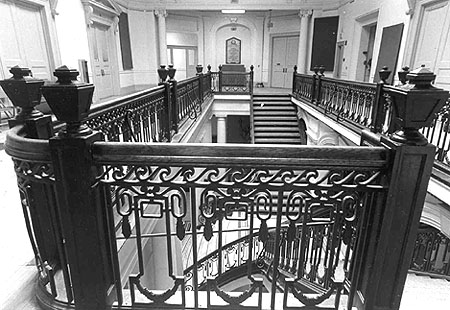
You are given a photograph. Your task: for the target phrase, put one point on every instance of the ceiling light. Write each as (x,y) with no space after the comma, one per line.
(233,11)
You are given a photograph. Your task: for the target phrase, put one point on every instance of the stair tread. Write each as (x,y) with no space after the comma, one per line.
(277,134)
(274,119)
(263,112)
(274,108)
(276,128)
(286,123)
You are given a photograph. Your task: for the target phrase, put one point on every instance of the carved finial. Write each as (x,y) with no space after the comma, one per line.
(24,92)
(66,75)
(209,68)
(421,77)
(70,101)
(402,74)
(295,68)
(252,67)
(172,71)
(322,70)
(199,68)
(384,74)
(316,70)
(163,73)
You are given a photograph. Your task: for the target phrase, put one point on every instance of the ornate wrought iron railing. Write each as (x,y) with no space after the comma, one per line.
(360,105)
(438,133)
(334,200)
(140,117)
(431,254)
(226,82)
(199,181)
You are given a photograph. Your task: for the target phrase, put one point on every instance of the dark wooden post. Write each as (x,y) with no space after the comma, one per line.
(165,124)
(174,98)
(250,86)
(293,79)
(81,206)
(199,69)
(24,93)
(378,109)
(386,246)
(220,78)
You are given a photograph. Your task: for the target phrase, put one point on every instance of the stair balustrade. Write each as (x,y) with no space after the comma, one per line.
(360,105)
(355,208)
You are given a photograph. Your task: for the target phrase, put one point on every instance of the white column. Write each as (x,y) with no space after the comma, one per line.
(303,40)
(162,14)
(221,129)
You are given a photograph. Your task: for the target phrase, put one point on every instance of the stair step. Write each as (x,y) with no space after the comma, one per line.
(282,123)
(275,127)
(274,98)
(274,108)
(277,141)
(277,134)
(259,112)
(268,118)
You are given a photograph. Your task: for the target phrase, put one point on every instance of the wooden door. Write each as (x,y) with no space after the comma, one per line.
(284,58)
(103,77)
(22,40)
(433,43)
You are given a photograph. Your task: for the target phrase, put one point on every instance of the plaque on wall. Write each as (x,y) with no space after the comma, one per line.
(233,49)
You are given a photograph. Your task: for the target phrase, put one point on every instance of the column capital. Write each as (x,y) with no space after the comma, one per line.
(160,13)
(305,13)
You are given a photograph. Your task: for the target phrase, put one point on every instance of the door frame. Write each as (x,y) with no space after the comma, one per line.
(417,12)
(107,16)
(271,38)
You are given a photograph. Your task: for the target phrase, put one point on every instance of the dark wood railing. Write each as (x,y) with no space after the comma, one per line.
(104,215)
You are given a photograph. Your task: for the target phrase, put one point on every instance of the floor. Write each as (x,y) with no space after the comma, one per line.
(19,272)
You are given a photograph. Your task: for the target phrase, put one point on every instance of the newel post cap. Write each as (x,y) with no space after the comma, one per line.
(199,68)
(163,72)
(23,91)
(69,99)
(421,77)
(415,104)
(171,72)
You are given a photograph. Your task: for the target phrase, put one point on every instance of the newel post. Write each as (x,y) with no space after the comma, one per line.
(166,122)
(378,109)
(25,93)
(220,78)
(81,205)
(174,98)
(386,246)
(250,86)
(199,69)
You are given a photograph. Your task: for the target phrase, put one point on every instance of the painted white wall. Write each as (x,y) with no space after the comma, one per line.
(353,17)
(72,35)
(143,47)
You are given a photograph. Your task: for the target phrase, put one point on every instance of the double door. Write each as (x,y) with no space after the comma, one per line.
(284,58)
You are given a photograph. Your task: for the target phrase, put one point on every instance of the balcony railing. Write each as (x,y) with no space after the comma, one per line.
(108,214)
(359,105)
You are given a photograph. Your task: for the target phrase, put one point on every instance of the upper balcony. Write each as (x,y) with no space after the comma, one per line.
(122,214)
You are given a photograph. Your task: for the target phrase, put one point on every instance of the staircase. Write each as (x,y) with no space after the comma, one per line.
(275,120)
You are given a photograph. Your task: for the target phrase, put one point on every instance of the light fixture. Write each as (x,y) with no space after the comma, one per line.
(233,11)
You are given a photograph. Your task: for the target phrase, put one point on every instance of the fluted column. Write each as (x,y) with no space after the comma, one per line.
(162,14)
(221,129)
(303,40)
